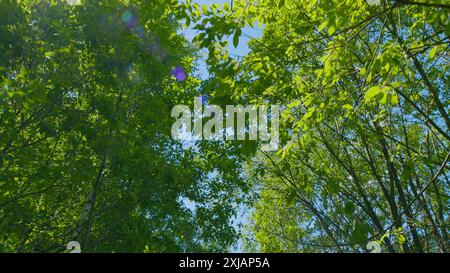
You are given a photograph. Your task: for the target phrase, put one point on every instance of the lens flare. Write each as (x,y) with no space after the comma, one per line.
(150,43)
(129,19)
(179,73)
(126,16)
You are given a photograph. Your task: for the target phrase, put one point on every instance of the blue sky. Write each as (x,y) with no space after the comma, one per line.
(241,50)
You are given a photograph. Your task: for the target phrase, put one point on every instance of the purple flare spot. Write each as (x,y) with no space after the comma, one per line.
(129,19)
(126,16)
(178,73)
(132,23)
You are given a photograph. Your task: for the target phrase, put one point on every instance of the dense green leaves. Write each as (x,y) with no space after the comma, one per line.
(86,154)
(365,131)
(85,146)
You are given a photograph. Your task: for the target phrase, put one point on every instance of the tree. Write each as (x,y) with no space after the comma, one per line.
(366,143)
(86,152)
(86,92)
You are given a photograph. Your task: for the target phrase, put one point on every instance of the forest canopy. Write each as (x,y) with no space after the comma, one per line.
(86,151)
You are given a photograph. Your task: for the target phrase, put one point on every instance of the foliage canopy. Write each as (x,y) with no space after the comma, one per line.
(85,146)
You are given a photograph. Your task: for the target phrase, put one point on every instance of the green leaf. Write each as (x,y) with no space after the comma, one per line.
(323,25)
(433,52)
(294,104)
(236,36)
(205,8)
(360,233)
(49,54)
(447,29)
(331,29)
(377,92)
(373,92)
(333,185)
(349,208)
